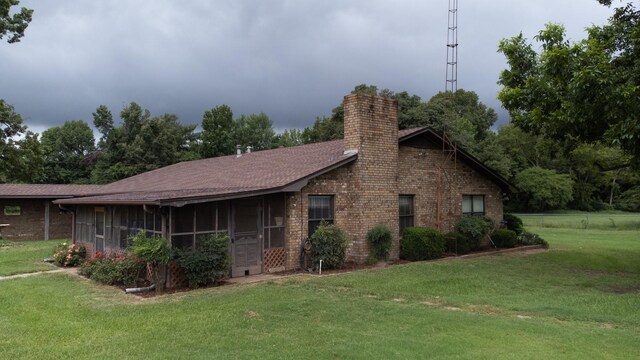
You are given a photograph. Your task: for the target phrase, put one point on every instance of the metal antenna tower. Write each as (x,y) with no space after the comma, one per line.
(448,164)
(451,84)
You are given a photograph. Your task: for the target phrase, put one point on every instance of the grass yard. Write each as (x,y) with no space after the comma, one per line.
(578,300)
(25,256)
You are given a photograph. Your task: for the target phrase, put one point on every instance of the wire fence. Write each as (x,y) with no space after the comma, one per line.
(583,221)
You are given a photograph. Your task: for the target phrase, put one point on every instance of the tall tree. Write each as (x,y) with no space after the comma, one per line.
(217,132)
(254,130)
(289,137)
(588,90)
(10,127)
(64,148)
(103,121)
(14,25)
(141,143)
(28,165)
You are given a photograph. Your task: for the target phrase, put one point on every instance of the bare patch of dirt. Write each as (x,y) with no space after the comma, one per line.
(624,289)
(252,314)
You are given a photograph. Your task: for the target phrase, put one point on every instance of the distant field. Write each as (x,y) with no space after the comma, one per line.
(583,220)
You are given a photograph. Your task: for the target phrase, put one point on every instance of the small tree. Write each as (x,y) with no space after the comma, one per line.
(153,250)
(545,189)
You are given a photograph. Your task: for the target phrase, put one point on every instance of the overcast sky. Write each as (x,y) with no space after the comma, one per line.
(292,59)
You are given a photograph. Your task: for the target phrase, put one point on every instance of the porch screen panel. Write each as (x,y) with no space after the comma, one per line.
(274,222)
(223,215)
(183,219)
(108,239)
(182,241)
(206,217)
(135,219)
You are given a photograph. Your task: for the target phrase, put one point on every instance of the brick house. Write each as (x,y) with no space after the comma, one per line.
(270,201)
(27,211)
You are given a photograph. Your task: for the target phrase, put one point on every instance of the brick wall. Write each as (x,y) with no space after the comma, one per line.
(30,224)
(418,174)
(366,191)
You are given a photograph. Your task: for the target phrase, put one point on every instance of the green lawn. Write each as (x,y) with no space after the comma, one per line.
(25,256)
(578,300)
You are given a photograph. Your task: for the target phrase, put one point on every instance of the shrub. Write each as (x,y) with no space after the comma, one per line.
(113,270)
(504,238)
(513,223)
(474,228)
(69,255)
(153,250)
(457,243)
(527,238)
(380,238)
(209,261)
(419,243)
(329,244)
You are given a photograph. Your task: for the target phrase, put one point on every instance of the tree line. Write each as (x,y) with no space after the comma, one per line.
(573,140)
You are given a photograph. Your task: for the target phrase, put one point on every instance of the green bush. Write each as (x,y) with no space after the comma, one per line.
(69,255)
(329,244)
(527,238)
(474,228)
(154,251)
(419,243)
(457,243)
(380,238)
(513,223)
(209,261)
(504,238)
(113,270)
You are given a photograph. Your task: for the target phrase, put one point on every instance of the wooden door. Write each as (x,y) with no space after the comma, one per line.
(246,237)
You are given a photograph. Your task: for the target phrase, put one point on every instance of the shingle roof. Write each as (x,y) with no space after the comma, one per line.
(216,177)
(283,169)
(53,191)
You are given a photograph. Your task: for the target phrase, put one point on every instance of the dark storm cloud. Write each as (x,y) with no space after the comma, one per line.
(292,59)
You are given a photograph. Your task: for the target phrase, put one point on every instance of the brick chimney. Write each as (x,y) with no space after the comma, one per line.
(371,129)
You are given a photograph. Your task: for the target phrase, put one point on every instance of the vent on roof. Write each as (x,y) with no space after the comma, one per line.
(238,150)
(249,148)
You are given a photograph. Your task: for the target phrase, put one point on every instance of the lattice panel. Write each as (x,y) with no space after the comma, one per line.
(175,276)
(275,259)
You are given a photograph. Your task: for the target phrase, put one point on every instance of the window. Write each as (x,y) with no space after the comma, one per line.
(320,209)
(473,205)
(406,212)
